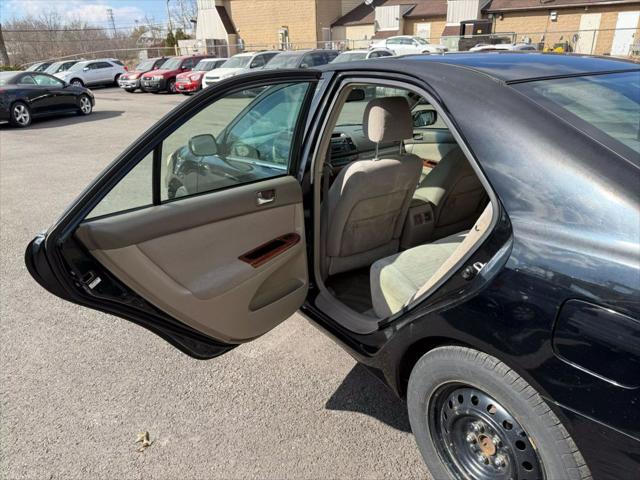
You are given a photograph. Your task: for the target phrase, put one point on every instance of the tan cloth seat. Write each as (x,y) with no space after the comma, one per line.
(368,201)
(454,190)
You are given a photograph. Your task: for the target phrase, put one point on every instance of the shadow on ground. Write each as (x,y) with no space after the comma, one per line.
(361,392)
(65,120)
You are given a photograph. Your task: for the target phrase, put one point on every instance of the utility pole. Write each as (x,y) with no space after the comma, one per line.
(111,20)
(4,56)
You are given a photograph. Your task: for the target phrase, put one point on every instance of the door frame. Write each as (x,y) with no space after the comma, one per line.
(320,303)
(53,258)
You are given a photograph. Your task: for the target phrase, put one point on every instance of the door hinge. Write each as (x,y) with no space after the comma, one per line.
(470,272)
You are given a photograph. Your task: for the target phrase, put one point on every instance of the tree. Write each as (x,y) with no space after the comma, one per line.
(170,41)
(180,35)
(4,56)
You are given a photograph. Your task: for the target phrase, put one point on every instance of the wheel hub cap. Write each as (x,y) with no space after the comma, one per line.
(478,438)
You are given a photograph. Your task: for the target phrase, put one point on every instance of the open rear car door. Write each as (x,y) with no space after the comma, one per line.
(196,232)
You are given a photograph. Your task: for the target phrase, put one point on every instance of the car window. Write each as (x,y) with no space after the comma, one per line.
(189,63)
(26,80)
(135,190)
(104,65)
(244,137)
(408,41)
(394,41)
(258,61)
(609,103)
(46,80)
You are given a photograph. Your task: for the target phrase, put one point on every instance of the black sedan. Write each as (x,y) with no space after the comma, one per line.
(466,226)
(27,95)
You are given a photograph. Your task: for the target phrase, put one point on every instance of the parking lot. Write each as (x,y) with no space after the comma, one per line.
(78,385)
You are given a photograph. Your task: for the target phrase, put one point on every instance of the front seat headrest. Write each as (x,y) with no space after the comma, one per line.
(388,119)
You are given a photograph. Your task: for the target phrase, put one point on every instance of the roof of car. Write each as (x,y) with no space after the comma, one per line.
(507,66)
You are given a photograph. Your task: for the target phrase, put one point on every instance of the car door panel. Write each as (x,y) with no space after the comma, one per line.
(430,144)
(184,257)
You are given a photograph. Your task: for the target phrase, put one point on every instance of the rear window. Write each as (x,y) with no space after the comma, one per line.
(609,103)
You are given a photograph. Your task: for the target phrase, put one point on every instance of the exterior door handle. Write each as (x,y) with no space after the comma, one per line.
(265,196)
(418,136)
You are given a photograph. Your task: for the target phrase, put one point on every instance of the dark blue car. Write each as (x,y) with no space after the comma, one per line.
(466,226)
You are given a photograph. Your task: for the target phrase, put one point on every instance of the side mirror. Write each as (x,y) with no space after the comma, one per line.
(356,95)
(304,65)
(85,69)
(424,118)
(204,145)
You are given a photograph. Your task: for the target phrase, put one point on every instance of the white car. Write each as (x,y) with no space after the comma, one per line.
(102,71)
(407,44)
(486,47)
(240,63)
(354,55)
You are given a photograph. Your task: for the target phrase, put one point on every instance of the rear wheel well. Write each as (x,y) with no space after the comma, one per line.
(415,353)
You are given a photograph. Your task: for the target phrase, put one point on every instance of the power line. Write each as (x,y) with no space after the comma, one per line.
(90,29)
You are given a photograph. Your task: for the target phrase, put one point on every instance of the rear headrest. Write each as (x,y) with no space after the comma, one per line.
(388,120)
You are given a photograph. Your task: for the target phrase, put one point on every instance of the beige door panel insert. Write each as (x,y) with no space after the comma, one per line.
(196,274)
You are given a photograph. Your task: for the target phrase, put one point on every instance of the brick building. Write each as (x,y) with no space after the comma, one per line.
(586,26)
(266,24)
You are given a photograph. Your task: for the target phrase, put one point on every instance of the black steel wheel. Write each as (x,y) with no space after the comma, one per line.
(474,418)
(478,438)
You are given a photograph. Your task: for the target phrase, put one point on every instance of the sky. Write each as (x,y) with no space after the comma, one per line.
(125,12)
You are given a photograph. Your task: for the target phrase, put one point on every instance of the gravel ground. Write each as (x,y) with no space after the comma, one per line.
(76,386)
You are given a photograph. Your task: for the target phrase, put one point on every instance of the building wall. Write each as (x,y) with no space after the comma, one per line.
(327,12)
(258,21)
(437,26)
(536,23)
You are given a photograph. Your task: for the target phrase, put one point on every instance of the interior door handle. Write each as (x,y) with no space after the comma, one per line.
(265,196)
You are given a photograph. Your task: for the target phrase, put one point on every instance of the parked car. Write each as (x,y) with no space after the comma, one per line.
(408,44)
(190,82)
(487,47)
(354,55)
(39,67)
(492,282)
(130,81)
(102,71)
(240,63)
(28,95)
(58,67)
(164,79)
(301,59)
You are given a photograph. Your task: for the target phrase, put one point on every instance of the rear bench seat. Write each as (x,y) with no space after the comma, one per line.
(396,279)
(405,276)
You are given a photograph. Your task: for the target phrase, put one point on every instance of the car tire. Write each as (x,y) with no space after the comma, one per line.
(84,105)
(77,82)
(115,80)
(473,416)
(171,86)
(20,115)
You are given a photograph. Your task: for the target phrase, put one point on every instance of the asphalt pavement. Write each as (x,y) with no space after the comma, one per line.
(76,385)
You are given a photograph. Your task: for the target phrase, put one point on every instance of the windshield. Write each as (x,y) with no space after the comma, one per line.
(283,60)
(171,64)
(53,68)
(610,103)
(146,65)
(6,77)
(350,57)
(237,62)
(204,65)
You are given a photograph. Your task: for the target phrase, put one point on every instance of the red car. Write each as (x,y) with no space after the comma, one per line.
(164,79)
(190,82)
(130,81)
